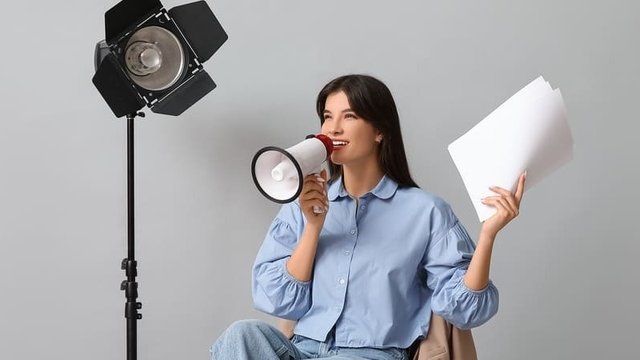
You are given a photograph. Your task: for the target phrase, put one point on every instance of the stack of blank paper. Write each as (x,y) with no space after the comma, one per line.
(528,132)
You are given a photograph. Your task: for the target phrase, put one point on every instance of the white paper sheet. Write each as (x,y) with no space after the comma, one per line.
(528,132)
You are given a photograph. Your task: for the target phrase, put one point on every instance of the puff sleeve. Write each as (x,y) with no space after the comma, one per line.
(274,290)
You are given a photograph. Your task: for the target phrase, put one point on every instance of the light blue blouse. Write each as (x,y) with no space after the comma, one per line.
(380,269)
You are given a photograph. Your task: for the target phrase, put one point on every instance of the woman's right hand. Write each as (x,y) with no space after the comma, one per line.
(314,195)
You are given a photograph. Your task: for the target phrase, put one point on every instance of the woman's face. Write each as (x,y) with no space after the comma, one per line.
(355,141)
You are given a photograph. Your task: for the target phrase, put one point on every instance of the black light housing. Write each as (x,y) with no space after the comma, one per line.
(153,57)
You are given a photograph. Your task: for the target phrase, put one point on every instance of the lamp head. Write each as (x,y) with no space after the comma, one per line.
(153,57)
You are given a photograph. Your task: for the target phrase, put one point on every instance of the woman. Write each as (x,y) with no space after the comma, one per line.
(362,277)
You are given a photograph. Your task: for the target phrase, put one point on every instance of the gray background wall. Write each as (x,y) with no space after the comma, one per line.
(566,268)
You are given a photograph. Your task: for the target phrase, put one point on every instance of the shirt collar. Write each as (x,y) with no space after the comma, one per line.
(384,190)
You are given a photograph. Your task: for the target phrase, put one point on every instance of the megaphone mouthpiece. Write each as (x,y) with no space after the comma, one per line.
(328,143)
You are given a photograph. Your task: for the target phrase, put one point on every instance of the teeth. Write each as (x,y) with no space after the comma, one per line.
(339,143)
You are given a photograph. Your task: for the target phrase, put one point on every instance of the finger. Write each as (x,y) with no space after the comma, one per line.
(507,195)
(314,178)
(520,188)
(492,201)
(512,204)
(312,183)
(506,208)
(314,189)
(311,188)
(314,195)
(324,174)
(316,204)
(498,202)
(511,201)
(499,190)
(314,192)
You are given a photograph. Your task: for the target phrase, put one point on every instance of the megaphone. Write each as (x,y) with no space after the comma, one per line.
(279,173)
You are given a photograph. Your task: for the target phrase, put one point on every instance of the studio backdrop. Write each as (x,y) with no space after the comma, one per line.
(566,268)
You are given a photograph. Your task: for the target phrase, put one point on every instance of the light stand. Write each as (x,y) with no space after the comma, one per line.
(129,264)
(152,57)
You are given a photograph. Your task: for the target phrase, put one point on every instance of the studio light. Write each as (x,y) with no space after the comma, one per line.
(153,57)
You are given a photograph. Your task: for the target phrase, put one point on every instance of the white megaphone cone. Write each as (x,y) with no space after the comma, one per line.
(279,173)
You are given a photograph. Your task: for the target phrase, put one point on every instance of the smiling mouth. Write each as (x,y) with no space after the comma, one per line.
(339,143)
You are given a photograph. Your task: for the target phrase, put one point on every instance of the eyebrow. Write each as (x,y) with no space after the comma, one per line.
(343,111)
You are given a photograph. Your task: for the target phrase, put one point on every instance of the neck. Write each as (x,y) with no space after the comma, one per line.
(359,180)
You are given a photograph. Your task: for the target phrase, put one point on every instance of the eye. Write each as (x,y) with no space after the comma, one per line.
(326,117)
(350,116)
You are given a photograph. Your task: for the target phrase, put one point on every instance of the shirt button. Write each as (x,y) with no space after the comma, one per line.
(362,207)
(353,231)
(347,252)
(342,281)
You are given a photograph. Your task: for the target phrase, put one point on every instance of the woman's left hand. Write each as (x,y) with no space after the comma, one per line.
(507,205)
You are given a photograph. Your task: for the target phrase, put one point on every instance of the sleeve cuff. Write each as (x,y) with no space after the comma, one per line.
(466,289)
(288,275)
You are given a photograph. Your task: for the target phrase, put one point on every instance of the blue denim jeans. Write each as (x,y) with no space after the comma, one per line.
(257,340)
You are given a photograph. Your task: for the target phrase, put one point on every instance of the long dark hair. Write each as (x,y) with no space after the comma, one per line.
(371,100)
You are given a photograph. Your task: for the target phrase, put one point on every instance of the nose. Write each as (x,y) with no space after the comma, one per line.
(332,128)
(336,128)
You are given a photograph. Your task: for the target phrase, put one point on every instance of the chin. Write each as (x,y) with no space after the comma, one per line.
(337,159)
